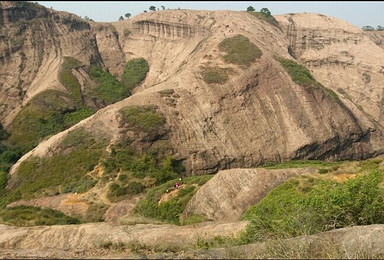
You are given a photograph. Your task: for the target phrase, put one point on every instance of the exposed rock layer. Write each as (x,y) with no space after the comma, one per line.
(230,193)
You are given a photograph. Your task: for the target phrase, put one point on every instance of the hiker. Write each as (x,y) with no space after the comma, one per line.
(176,185)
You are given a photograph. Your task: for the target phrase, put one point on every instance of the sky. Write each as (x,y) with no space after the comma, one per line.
(358,13)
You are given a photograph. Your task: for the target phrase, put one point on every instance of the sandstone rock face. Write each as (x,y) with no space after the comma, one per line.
(340,56)
(259,114)
(230,193)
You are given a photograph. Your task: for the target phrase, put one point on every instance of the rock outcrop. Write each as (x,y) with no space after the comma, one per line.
(230,193)
(67,240)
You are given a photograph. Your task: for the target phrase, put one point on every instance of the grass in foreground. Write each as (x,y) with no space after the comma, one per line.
(34,216)
(307,205)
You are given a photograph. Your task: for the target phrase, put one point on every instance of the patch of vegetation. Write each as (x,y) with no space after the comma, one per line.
(370,164)
(303,77)
(217,241)
(366,77)
(239,50)
(117,192)
(84,184)
(41,117)
(135,71)
(27,5)
(265,17)
(72,118)
(168,91)
(150,164)
(48,175)
(127,32)
(170,211)
(32,216)
(69,81)
(303,206)
(8,156)
(109,89)
(216,74)
(146,118)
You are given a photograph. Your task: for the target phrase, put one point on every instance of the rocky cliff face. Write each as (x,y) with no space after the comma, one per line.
(33,42)
(342,57)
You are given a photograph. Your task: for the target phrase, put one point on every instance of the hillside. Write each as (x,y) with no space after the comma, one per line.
(277,115)
(100,119)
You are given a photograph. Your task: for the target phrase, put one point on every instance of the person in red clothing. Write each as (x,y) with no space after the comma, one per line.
(176,185)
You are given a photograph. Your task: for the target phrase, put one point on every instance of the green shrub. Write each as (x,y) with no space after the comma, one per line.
(134,188)
(216,75)
(69,81)
(108,88)
(81,186)
(135,71)
(171,210)
(265,17)
(300,207)
(72,118)
(122,177)
(143,117)
(70,63)
(168,91)
(366,77)
(299,73)
(323,171)
(32,216)
(239,50)
(150,164)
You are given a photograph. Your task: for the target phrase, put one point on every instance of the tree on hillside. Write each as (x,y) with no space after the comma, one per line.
(265,11)
(145,11)
(128,15)
(152,8)
(163,7)
(250,9)
(380,28)
(121,18)
(368,28)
